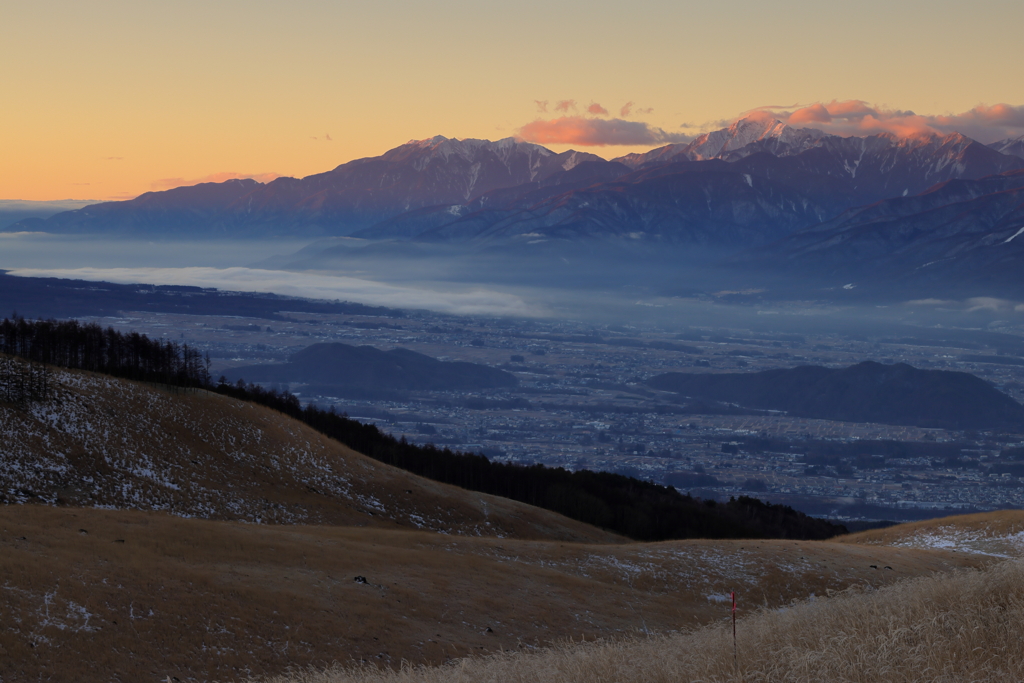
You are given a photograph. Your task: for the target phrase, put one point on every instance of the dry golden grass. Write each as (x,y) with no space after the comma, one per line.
(213,600)
(995,533)
(107,442)
(954,628)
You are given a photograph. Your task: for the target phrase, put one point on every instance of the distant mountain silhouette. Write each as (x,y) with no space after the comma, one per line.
(867,392)
(364,367)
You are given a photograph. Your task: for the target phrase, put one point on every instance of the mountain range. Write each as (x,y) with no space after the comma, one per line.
(354,195)
(787,204)
(750,183)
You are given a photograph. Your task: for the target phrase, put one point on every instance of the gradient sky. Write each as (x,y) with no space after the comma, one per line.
(104,100)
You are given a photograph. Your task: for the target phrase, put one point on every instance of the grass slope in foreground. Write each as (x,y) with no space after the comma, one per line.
(964,626)
(90,596)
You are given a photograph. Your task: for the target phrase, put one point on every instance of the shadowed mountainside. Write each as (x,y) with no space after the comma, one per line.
(960,238)
(866,392)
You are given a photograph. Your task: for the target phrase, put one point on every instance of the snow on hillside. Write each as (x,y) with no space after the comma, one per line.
(979,540)
(102,442)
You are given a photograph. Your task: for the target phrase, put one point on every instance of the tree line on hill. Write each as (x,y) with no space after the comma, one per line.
(87,346)
(22,383)
(637,509)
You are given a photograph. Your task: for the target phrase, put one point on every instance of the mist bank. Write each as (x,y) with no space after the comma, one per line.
(608,283)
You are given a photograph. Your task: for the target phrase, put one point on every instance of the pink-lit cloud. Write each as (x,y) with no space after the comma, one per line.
(169,183)
(542,106)
(626,109)
(597,110)
(565,105)
(645,110)
(593,132)
(855,117)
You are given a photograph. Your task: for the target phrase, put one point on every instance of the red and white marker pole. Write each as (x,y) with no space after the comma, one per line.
(735,657)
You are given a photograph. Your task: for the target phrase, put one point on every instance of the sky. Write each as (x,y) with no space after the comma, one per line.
(109,99)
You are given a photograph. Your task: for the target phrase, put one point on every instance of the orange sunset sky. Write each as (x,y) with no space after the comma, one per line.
(106,100)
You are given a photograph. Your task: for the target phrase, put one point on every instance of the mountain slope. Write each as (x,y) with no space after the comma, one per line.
(1013,146)
(758,128)
(866,392)
(960,238)
(354,195)
(204,455)
(675,204)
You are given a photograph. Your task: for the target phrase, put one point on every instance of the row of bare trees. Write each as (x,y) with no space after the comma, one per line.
(23,382)
(88,346)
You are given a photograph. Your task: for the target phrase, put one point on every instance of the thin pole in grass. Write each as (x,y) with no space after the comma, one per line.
(735,656)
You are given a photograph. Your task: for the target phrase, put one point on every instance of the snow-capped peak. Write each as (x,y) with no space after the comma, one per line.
(1011,146)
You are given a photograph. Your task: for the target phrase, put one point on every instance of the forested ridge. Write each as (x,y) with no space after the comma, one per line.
(638,509)
(71,344)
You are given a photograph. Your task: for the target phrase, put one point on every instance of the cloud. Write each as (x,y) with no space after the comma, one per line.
(645,110)
(170,183)
(542,106)
(856,117)
(597,110)
(565,105)
(626,108)
(113,158)
(580,130)
(474,302)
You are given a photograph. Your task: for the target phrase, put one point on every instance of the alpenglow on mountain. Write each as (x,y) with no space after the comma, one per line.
(747,184)
(352,196)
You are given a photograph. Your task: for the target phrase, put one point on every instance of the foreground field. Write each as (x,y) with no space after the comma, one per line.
(103,595)
(964,626)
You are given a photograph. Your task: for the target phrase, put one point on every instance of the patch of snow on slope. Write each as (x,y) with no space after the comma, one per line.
(980,541)
(1013,236)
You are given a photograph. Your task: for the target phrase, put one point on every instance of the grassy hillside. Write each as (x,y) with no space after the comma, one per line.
(100,595)
(965,626)
(101,441)
(999,534)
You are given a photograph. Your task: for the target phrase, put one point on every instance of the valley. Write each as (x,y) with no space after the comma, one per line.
(581,402)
